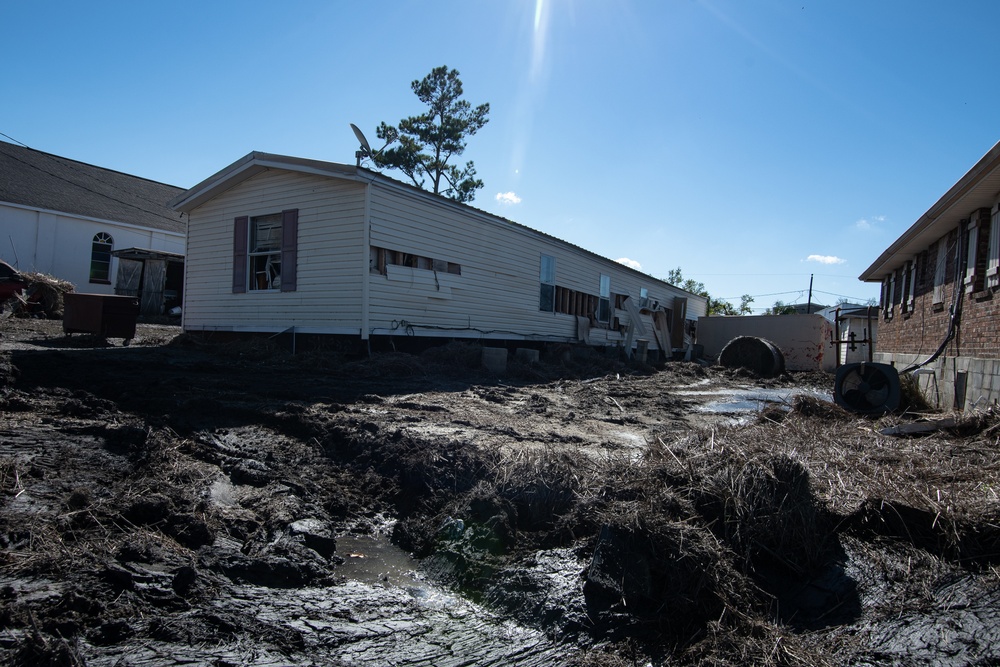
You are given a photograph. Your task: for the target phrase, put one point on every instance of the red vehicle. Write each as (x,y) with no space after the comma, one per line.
(11,281)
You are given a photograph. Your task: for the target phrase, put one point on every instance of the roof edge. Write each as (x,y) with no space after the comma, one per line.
(988,163)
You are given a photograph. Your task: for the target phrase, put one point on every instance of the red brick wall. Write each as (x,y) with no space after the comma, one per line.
(922,331)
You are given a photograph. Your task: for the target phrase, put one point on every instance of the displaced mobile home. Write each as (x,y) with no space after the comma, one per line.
(940,303)
(278,243)
(67,218)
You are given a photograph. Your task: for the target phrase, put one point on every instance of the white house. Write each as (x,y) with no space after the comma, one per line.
(276,242)
(65,218)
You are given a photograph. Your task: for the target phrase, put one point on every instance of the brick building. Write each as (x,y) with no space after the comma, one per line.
(940,304)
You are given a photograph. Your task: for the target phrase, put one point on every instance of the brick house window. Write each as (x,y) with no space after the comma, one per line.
(993,254)
(888,295)
(939,271)
(978,231)
(909,279)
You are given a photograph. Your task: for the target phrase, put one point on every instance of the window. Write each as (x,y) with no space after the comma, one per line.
(972,276)
(887,297)
(547,280)
(939,271)
(265,252)
(993,261)
(379,258)
(604,301)
(100,258)
(909,297)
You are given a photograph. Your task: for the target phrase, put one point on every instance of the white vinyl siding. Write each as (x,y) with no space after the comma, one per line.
(329,263)
(480,279)
(497,294)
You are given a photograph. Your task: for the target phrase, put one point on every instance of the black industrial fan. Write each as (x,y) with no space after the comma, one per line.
(867,388)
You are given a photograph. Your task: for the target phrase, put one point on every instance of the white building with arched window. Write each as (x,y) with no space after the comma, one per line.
(67,218)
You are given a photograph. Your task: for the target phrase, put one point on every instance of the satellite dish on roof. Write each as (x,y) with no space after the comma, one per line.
(361,137)
(366,149)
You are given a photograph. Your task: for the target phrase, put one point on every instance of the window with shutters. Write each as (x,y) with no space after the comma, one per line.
(910,297)
(973,278)
(941,258)
(888,292)
(993,254)
(265,252)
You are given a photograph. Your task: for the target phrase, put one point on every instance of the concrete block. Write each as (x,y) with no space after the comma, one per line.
(526,355)
(495,359)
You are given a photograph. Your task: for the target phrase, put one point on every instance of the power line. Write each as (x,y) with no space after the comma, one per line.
(90,190)
(13,139)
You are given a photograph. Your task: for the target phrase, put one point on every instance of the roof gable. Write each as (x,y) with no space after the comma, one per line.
(45,181)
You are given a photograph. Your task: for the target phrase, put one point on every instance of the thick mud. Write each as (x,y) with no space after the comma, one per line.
(183,501)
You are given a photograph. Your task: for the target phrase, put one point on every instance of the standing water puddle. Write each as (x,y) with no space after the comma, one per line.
(745,402)
(374,559)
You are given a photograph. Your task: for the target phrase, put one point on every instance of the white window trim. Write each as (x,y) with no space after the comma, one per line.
(993,261)
(270,274)
(939,270)
(911,291)
(970,253)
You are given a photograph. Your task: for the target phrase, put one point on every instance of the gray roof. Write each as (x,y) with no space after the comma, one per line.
(41,180)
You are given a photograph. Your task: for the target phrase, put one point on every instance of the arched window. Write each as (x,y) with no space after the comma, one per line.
(100,258)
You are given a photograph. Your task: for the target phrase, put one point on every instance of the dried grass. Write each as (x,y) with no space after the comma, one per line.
(45,290)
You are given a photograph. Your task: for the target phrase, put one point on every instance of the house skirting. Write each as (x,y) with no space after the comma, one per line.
(952,383)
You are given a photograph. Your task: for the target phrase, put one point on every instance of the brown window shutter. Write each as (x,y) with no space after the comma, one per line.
(289,248)
(240,230)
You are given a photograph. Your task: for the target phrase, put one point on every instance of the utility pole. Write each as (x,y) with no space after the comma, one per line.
(809,302)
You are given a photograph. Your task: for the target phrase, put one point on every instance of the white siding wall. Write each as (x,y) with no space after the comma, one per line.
(329,267)
(496,296)
(497,293)
(59,244)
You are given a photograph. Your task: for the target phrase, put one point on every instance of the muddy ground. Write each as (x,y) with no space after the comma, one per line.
(199,502)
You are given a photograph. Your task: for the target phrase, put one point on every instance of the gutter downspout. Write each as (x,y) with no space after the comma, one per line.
(955,318)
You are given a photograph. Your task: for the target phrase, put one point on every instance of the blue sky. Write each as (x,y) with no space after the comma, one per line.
(752,143)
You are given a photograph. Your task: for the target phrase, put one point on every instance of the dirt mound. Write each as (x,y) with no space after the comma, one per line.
(192,499)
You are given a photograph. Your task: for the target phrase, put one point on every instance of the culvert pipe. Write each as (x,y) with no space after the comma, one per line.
(758,355)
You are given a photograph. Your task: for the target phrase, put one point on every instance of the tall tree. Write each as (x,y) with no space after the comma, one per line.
(715,306)
(781,308)
(429,141)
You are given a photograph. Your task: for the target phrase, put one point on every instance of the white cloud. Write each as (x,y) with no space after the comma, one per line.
(865,224)
(825,259)
(630,262)
(508,198)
